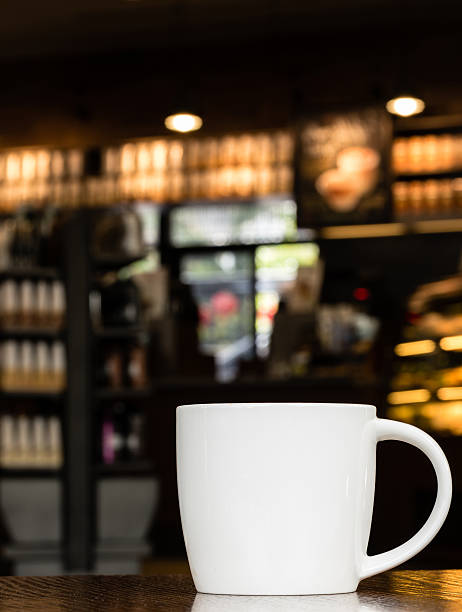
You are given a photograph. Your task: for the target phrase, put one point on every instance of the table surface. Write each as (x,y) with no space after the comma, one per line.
(392,591)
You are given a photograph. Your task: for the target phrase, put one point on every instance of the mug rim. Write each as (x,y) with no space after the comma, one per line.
(277,404)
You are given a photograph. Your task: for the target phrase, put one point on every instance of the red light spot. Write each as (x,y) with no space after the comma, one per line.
(412,317)
(361,294)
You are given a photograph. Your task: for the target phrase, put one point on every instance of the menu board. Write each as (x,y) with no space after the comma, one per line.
(343,166)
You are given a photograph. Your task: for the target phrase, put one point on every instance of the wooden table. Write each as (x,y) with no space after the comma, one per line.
(392,591)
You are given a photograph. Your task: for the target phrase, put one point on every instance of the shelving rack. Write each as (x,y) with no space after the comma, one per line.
(406,129)
(55,400)
(31,473)
(80,404)
(80,472)
(99,335)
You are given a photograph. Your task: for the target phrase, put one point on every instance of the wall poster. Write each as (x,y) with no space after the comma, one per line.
(343,168)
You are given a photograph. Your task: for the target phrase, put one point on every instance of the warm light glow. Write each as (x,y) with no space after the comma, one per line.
(402,413)
(43,164)
(405,106)
(28,166)
(449,393)
(439,416)
(451,343)
(444,417)
(13,167)
(419,347)
(183,122)
(128,159)
(413,396)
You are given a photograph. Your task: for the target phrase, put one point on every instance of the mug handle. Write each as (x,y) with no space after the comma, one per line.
(394,430)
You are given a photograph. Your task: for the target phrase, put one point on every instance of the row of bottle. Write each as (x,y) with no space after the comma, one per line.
(149,156)
(58,192)
(121,434)
(427,153)
(124,367)
(30,442)
(164,155)
(32,366)
(40,165)
(26,304)
(435,198)
(231,181)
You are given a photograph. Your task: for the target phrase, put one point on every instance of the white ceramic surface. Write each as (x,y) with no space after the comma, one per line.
(276,499)
(348,602)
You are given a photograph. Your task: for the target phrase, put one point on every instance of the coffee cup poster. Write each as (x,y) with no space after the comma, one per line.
(343,169)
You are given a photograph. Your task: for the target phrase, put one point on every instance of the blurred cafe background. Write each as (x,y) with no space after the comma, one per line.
(219,201)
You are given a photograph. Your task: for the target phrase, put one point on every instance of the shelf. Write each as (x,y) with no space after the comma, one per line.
(437,226)
(24,472)
(23,394)
(114,470)
(304,235)
(219,278)
(31,333)
(115,262)
(383,230)
(120,333)
(126,393)
(425,176)
(36,272)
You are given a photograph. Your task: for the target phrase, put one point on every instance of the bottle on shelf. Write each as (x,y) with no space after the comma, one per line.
(43,378)
(28,302)
(33,366)
(55,456)
(136,367)
(39,441)
(135,436)
(43,317)
(114,434)
(58,304)
(58,366)
(7,440)
(28,365)
(36,305)
(30,442)
(9,303)
(25,453)
(108,452)
(113,374)
(10,372)
(121,435)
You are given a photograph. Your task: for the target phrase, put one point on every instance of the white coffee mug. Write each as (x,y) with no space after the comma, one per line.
(276,499)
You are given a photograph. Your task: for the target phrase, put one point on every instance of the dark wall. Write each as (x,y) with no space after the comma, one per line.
(238,85)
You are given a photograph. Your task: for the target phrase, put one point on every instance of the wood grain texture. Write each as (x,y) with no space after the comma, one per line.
(426,591)
(96,593)
(413,590)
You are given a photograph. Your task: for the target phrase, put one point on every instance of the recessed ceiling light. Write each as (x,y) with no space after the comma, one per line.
(405,106)
(183,122)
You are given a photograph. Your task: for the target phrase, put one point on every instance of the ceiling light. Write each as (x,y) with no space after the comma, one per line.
(419,347)
(405,106)
(183,122)
(451,343)
(413,396)
(449,393)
